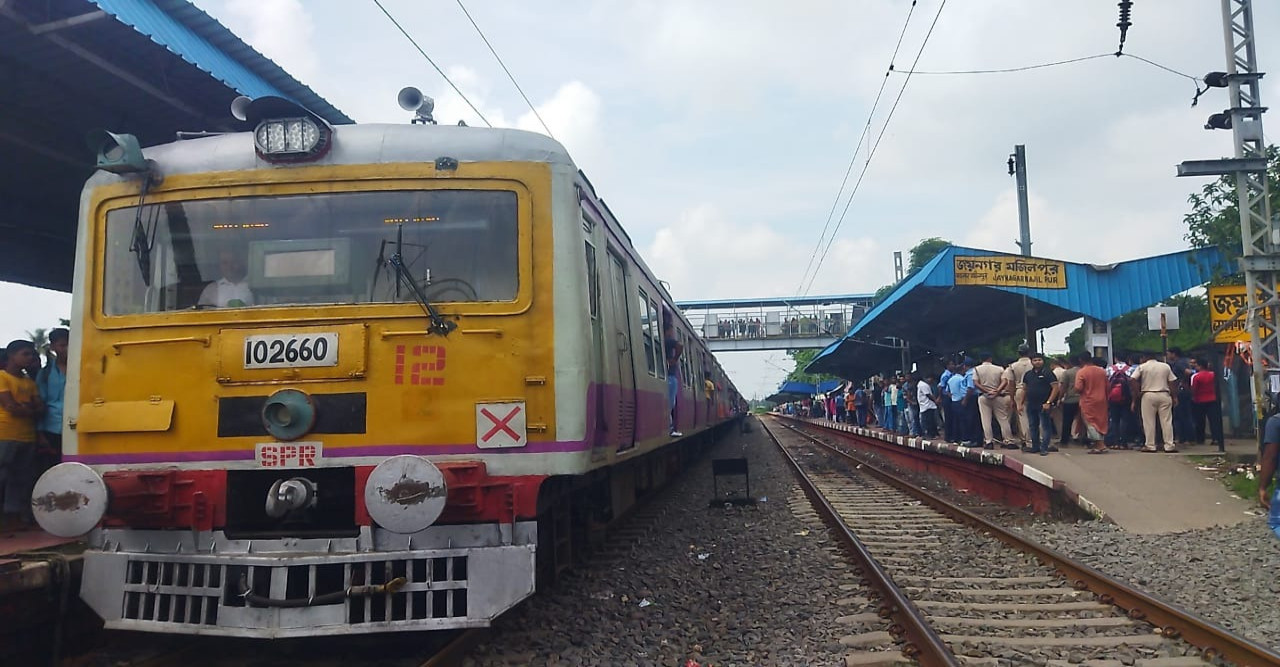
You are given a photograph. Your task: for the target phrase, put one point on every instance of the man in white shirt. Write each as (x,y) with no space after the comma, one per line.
(231,290)
(928,407)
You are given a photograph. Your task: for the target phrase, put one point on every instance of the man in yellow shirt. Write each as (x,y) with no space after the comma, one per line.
(708,388)
(19,406)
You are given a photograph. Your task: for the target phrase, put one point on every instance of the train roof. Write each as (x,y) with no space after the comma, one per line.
(361,144)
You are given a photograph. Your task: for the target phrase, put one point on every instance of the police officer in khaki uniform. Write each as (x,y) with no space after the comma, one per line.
(993,398)
(1155,391)
(1019,370)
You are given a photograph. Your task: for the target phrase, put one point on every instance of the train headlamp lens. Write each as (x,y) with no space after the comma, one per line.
(289,138)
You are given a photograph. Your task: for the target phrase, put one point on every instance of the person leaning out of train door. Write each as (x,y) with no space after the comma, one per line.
(673,350)
(708,390)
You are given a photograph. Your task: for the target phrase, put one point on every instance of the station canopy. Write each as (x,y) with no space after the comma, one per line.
(965,297)
(145,67)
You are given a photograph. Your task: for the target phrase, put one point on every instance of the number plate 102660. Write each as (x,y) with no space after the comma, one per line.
(291,350)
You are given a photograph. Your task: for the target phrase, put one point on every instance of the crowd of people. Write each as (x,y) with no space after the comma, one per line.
(31,395)
(753,327)
(1143,400)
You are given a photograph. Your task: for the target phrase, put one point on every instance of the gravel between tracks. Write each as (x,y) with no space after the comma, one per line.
(764,596)
(1229,575)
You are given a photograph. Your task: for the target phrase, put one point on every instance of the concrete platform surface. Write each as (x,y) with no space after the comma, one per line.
(1141,492)
(32,539)
(1148,493)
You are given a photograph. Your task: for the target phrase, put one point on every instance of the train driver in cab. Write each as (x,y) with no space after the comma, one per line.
(231,289)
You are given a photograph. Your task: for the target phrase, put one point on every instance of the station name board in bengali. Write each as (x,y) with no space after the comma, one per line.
(1224,302)
(1010,271)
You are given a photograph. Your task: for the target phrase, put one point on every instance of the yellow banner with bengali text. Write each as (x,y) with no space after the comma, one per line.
(1224,302)
(1010,271)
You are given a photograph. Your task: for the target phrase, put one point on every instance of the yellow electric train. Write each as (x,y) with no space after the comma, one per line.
(356,379)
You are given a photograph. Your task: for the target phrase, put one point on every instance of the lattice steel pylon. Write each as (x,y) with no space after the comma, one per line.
(1259,259)
(1258,231)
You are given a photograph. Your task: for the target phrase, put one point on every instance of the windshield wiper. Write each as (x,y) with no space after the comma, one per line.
(439,325)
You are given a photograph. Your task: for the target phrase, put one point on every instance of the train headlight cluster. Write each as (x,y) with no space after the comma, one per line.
(290,139)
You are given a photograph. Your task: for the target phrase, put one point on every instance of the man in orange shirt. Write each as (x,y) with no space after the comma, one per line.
(20,405)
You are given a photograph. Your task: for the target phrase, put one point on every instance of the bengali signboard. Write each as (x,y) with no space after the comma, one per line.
(1010,271)
(1224,302)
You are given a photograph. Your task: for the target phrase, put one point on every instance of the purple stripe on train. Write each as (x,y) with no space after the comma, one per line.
(603,401)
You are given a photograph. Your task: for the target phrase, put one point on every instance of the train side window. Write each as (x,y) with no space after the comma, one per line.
(646,331)
(593,282)
(659,358)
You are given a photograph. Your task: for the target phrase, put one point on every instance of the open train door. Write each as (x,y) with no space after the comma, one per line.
(626,366)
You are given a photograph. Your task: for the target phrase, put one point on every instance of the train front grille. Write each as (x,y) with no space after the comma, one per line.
(162,590)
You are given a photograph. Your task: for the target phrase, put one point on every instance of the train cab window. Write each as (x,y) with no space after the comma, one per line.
(648,320)
(325,248)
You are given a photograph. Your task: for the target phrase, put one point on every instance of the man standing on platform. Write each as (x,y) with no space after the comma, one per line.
(1040,391)
(1155,388)
(1070,402)
(957,425)
(1019,370)
(1183,428)
(928,408)
(1270,454)
(1091,384)
(968,390)
(993,399)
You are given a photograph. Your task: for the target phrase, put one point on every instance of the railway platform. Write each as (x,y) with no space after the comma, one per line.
(1145,493)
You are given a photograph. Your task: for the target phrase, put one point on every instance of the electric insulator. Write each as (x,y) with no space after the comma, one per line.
(1216,79)
(1219,121)
(1126,6)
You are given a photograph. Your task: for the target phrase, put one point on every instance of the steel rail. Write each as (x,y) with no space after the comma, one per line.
(1174,622)
(922,643)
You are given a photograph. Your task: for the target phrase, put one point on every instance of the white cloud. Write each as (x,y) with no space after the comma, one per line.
(707,255)
(573,116)
(282,30)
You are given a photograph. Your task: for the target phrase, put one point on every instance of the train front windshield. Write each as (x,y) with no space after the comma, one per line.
(315,249)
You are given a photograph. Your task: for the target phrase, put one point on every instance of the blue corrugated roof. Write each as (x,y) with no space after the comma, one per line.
(197,38)
(798,388)
(829,385)
(1103,292)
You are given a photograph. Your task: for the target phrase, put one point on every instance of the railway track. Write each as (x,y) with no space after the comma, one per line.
(950,588)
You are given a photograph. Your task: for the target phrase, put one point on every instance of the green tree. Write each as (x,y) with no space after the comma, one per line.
(1129,332)
(803,358)
(1214,219)
(919,254)
(924,251)
(40,337)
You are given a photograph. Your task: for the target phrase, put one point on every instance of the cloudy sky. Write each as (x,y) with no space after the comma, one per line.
(719,132)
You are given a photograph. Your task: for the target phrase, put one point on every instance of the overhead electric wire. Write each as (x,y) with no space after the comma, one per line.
(1007,70)
(1167,69)
(871,154)
(854,158)
(433,63)
(1069,61)
(504,68)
